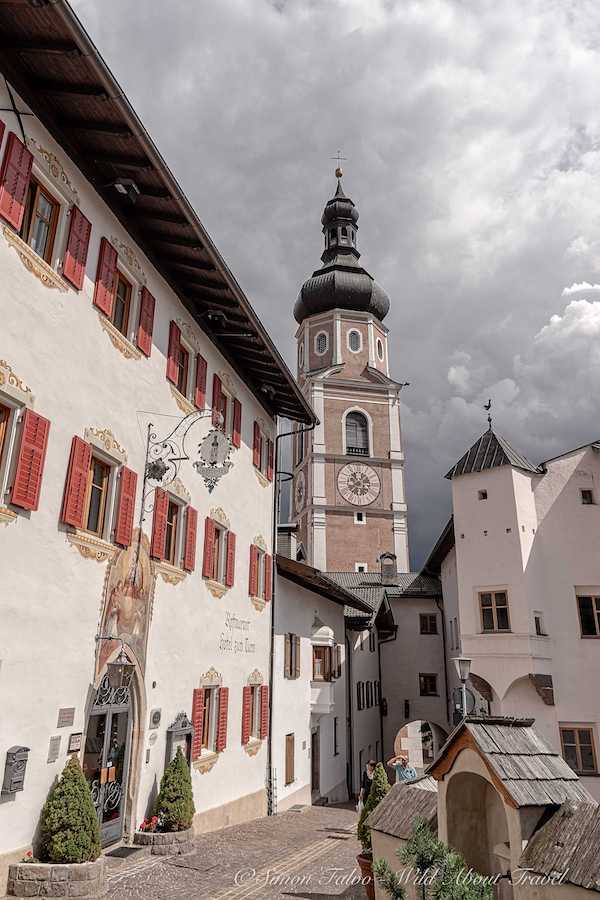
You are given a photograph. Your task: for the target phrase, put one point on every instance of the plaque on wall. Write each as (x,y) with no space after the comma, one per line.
(75,740)
(53,749)
(66,717)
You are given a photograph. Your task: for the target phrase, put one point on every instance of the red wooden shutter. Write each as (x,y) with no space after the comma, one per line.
(268,595)
(197,717)
(191,527)
(126,507)
(104,292)
(253,577)
(221,741)
(246,712)
(230,564)
(159,524)
(236,438)
(256,446)
(270,455)
(30,461)
(2,127)
(146,322)
(200,391)
(264,710)
(217,400)
(73,510)
(14,180)
(174,343)
(77,248)
(209,541)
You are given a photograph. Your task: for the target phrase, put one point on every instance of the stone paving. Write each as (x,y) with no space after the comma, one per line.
(309,855)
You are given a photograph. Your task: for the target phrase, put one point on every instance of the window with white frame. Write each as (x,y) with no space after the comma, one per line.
(301,354)
(210,715)
(354,341)
(321,343)
(255,708)
(538,623)
(380,349)
(9,415)
(219,554)
(40,220)
(587,496)
(360,518)
(494,611)
(361,567)
(357,434)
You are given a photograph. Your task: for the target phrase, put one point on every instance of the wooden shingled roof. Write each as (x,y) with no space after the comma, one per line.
(568,842)
(51,62)
(403,804)
(521,765)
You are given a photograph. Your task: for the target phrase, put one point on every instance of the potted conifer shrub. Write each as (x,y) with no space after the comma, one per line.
(379,788)
(69,845)
(168,830)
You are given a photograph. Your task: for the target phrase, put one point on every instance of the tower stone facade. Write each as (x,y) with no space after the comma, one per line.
(348,487)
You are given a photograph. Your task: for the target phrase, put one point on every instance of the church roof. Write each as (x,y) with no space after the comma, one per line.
(341,282)
(488,452)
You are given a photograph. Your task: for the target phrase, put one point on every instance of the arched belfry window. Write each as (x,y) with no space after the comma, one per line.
(357,434)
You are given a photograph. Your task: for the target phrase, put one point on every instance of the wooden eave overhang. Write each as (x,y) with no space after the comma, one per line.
(314,580)
(51,62)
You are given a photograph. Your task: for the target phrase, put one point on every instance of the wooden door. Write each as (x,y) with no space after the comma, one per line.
(315,756)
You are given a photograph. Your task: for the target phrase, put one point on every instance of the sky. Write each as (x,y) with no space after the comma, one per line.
(472,135)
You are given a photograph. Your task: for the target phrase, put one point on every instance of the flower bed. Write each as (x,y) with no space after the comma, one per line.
(166,843)
(33,879)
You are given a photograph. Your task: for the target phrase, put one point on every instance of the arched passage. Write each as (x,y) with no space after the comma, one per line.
(420,741)
(476,821)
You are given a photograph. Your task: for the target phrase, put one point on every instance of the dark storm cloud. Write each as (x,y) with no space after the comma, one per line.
(472,131)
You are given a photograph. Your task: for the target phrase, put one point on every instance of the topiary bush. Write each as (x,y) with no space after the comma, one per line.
(69,830)
(379,788)
(175,802)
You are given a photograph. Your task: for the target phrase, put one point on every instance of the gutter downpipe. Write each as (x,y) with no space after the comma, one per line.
(349,742)
(441,609)
(271,807)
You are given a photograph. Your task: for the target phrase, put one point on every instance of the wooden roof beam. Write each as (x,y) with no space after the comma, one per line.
(123,160)
(98,127)
(16,44)
(193,243)
(47,86)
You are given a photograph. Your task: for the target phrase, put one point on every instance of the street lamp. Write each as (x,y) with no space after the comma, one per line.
(463,669)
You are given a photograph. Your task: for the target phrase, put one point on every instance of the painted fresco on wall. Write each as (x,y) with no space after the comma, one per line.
(127,606)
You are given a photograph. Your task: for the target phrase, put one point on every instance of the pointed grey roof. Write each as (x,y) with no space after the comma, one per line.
(488,452)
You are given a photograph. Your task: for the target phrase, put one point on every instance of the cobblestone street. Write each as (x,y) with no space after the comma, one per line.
(309,854)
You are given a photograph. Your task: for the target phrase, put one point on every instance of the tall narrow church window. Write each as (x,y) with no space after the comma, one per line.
(332,236)
(357,434)
(344,237)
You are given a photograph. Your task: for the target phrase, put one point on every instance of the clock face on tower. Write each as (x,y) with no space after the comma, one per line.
(358,484)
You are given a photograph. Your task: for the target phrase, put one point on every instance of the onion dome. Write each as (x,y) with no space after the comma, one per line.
(340,283)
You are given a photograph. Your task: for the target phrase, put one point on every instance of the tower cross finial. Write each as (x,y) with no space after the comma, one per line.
(338,158)
(488,406)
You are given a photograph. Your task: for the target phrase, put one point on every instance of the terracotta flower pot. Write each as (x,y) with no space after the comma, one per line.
(365,864)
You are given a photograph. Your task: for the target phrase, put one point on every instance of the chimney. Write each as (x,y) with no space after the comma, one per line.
(389,569)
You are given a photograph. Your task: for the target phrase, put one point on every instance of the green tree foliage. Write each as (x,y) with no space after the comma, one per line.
(423,850)
(389,881)
(69,825)
(175,802)
(379,788)
(452,878)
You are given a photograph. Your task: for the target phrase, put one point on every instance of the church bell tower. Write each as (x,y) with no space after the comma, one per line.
(348,487)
